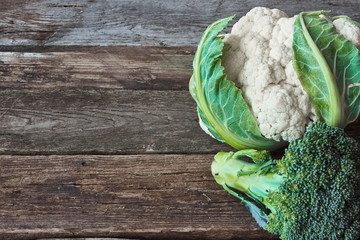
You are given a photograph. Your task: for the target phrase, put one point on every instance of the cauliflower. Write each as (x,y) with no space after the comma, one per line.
(260,63)
(350,31)
(261,85)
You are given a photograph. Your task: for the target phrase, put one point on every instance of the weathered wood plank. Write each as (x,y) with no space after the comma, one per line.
(86,238)
(142,196)
(106,122)
(132,22)
(146,68)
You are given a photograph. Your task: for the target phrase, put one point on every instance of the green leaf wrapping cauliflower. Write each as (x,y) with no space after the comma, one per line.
(313,192)
(273,75)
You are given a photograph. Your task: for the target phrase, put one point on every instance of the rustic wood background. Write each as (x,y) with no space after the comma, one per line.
(99,136)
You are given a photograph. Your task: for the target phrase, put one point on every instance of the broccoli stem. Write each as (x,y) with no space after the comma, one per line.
(254,180)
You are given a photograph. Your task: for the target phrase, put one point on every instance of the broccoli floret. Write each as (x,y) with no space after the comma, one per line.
(312,192)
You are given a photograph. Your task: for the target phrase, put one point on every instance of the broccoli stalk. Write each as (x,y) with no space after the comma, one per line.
(256,180)
(312,192)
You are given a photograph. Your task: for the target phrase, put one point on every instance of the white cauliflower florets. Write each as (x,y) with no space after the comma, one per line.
(260,63)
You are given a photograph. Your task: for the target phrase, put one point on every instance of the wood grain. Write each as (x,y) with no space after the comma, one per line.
(134,196)
(132,22)
(135,68)
(101,122)
(104,122)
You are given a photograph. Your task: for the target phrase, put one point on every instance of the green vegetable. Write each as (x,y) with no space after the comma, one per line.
(328,67)
(221,107)
(312,192)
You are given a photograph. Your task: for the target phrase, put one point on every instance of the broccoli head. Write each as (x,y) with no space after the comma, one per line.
(312,192)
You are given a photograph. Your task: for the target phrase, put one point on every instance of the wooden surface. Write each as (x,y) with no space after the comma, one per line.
(112,195)
(99,136)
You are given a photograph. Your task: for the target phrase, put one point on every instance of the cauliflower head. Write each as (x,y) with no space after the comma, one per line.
(260,62)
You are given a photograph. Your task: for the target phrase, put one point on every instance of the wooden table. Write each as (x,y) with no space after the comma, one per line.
(99,135)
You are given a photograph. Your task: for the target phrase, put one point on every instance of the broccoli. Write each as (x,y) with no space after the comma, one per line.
(312,192)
